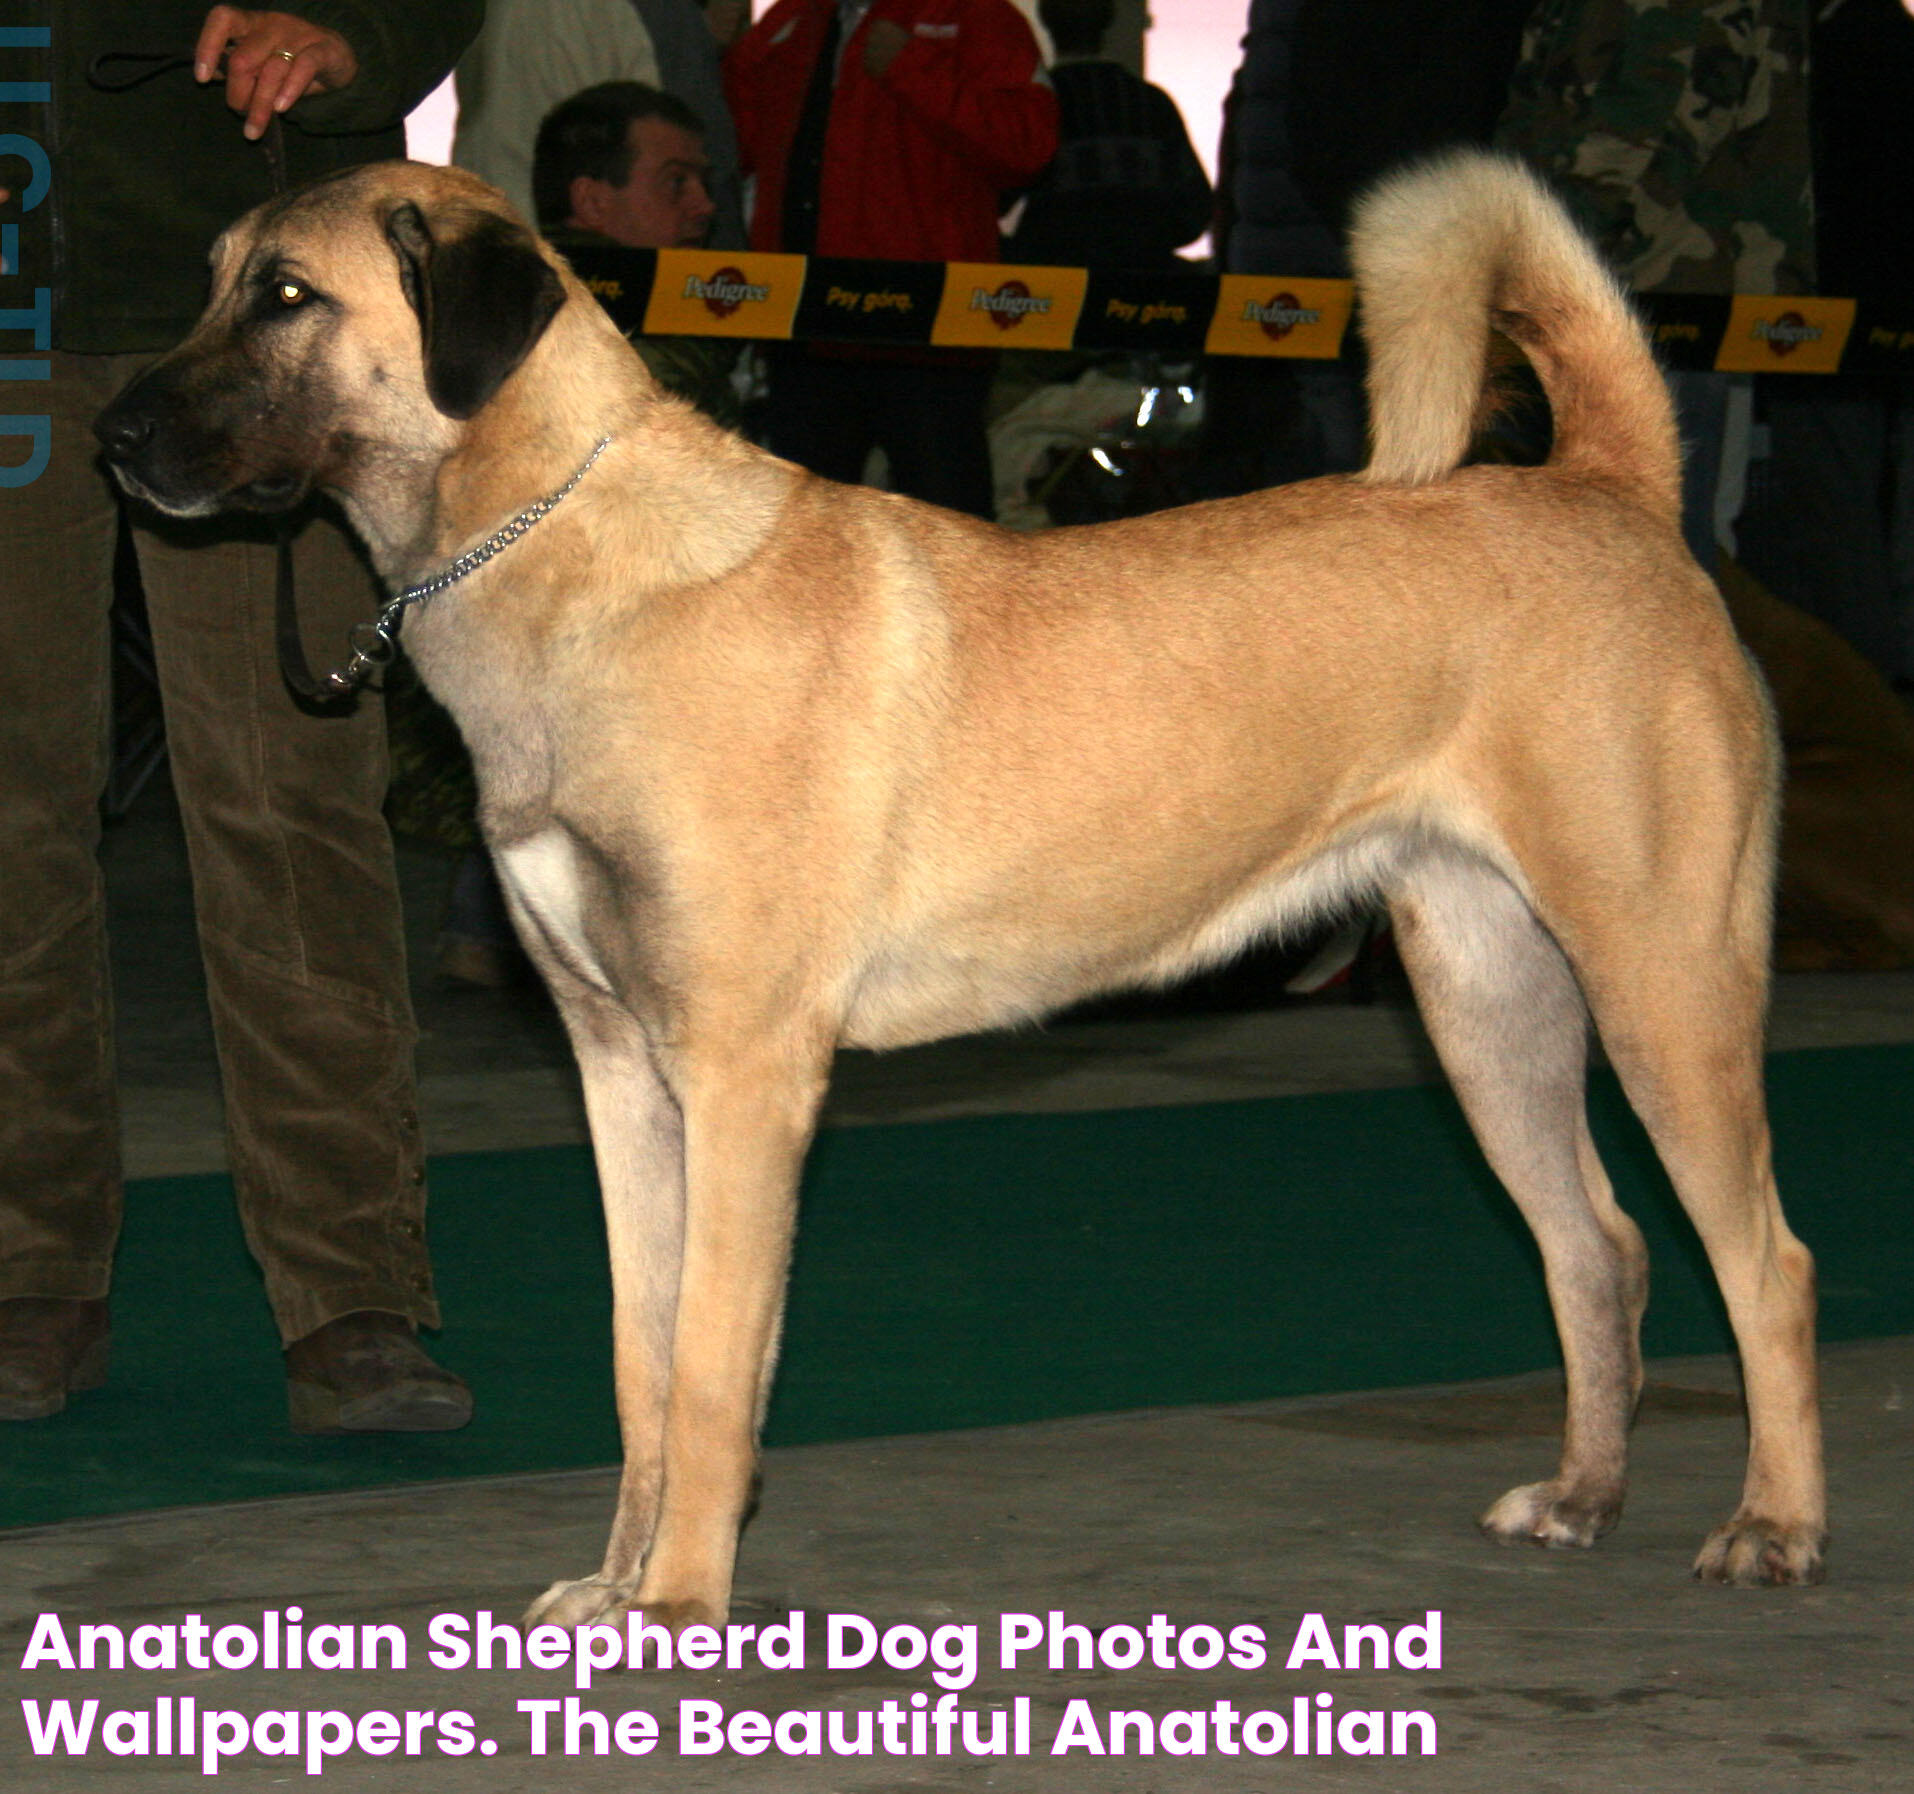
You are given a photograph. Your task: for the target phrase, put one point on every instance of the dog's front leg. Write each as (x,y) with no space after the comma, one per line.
(749,1112)
(638,1142)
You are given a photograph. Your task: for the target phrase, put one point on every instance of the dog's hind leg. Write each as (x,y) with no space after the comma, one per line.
(1680,1006)
(1503,1009)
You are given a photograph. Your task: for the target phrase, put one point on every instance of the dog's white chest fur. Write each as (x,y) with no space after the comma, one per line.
(541,876)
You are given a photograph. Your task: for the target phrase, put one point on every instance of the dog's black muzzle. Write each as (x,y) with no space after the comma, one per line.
(167,445)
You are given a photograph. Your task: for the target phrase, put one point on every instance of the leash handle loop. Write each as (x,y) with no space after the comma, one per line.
(145,66)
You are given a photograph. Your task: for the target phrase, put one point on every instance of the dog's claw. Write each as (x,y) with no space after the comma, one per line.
(1749,1552)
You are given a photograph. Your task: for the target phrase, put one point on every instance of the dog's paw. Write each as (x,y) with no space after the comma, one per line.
(593,1601)
(572,1604)
(1543,1514)
(675,1616)
(1749,1552)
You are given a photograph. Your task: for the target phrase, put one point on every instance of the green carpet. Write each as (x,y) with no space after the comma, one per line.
(962,1273)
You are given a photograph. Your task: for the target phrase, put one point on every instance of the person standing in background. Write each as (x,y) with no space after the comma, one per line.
(888,128)
(1126,189)
(294,885)
(533,54)
(1679,138)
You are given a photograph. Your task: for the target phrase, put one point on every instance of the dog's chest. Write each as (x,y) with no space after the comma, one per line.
(545,881)
(501,707)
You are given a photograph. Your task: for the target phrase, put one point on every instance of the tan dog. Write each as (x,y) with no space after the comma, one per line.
(771,765)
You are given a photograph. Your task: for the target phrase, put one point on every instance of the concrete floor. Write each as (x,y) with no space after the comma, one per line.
(1608,1670)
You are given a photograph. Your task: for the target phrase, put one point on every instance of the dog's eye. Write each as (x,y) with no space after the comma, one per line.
(290,293)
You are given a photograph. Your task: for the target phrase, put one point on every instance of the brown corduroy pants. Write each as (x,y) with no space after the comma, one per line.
(293,884)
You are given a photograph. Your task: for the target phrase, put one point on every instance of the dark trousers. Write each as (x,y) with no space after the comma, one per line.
(1819,522)
(828,414)
(293,883)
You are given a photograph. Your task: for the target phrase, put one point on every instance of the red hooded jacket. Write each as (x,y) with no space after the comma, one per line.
(915,161)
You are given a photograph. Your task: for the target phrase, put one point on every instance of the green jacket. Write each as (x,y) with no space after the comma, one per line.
(144,180)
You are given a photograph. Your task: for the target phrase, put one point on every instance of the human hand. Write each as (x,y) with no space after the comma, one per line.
(270,60)
(881,45)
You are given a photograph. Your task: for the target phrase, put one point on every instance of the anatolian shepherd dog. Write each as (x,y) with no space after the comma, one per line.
(771,765)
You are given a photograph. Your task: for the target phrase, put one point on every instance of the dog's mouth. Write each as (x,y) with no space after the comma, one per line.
(269,492)
(168,504)
(266,494)
(172,449)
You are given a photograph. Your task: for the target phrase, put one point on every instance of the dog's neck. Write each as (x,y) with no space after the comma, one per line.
(419,505)
(582,383)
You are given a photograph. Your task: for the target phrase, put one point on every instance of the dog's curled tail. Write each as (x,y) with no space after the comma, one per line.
(1449,249)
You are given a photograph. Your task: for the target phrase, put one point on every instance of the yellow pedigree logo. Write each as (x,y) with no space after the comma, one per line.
(1267,314)
(994,305)
(710,292)
(1785,335)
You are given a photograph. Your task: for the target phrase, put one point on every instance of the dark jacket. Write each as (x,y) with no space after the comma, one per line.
(1332,94)
(1126,189)
(143,181)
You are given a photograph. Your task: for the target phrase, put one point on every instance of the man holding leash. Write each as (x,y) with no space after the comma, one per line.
(294,883)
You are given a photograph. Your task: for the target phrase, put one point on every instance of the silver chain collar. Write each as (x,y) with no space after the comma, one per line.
(375,645)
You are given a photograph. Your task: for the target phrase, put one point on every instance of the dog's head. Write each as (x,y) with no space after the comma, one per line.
(354,325)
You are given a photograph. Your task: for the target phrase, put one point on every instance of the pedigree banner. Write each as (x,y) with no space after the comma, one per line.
(724,292)
(1882,340)
(995,305)
(1785,335)
(868,301)
(739,293)
(1152,311)
(1268,314)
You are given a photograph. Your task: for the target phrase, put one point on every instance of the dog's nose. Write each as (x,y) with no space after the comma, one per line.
(123,429)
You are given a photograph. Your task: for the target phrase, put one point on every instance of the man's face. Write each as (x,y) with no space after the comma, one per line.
(665,202)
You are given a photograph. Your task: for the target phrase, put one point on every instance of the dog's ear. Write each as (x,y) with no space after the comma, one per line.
(484,299)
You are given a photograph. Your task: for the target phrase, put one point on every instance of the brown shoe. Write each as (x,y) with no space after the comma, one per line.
(50,1348)
(366,1373)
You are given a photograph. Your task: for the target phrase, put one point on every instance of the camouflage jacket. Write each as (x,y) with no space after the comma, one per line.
(1678,132)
